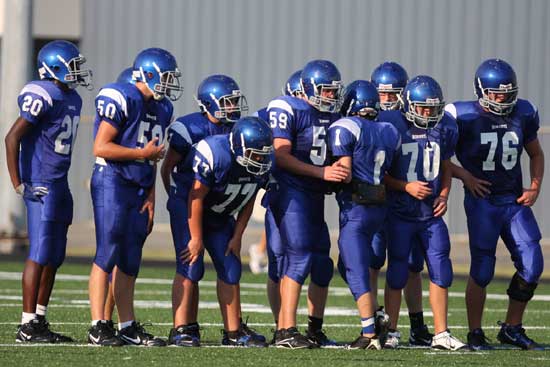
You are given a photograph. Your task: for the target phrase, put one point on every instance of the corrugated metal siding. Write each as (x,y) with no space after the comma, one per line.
(261,42)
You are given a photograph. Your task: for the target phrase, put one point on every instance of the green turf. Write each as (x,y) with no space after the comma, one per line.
(72,295)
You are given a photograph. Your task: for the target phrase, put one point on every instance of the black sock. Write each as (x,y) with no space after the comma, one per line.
(417,319)
(314,324)
(233,334)
(192,324)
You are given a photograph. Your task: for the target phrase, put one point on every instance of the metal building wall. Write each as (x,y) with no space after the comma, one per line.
(260,42)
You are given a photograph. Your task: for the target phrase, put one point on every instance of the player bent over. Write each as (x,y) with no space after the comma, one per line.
(229,171)
(493,132)
(221,104)
(420,183)
(38,149)
(390,79)
(367,147)
(129,128)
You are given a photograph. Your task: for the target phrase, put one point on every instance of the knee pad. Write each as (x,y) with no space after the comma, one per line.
(397,275)
(193,272)
(230,273)
(482,272)
(441,273)
(297,267)
(322,270)
(520,290)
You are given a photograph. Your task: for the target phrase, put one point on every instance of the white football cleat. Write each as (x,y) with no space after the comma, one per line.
(392,340)
(446,341)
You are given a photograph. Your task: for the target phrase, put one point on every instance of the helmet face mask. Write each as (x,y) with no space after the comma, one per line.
(251,142)
(61,60)
(495,86)
(322,86)
(157,69)
(221,98)
(231,107)
(390,78)
(423,104)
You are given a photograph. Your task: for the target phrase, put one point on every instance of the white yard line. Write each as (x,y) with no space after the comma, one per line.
(16,276)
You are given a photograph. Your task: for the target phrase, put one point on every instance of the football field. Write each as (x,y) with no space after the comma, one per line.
(69,314)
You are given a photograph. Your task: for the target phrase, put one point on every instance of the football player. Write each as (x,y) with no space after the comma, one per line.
(221,104)
(368,147)
(124,77)
(419,181)
(274,246)
(296,205)
(39,146)
(390,79)
(229,171)
(493,132)
(128,129)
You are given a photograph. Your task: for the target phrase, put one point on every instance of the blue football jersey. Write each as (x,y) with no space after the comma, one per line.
(419,159)
(122,106)
(490,146)
(183,134)
(371,145)
(231,186)
(294,119)
(54,113)
(262,113)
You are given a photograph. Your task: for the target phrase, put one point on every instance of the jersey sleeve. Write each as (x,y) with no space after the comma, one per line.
(531,127)
(203,164)
(342,137)
(179,137)
(111,106)
(34,102)
(281,119)
(451,138)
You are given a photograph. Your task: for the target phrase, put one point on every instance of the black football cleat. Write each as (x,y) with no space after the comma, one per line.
(136,335)
(34,332)
(421,337)
(364,342)
(477,341)
(57,337)
(292,339)
(103,334)
(242,339)
(185,336)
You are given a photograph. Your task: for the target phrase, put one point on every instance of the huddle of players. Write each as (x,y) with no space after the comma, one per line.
(355,142)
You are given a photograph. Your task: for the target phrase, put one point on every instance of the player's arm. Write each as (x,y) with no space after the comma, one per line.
(417,189)
(285,160)
(440,202)
(345,162)
(195,246)
(170,161)
(12,141)
(478,187)
(243,217)
(536,168)
(105,147)
(149,203)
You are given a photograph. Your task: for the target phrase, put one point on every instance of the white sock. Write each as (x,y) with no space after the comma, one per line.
(27,317)
(95,322)
(122,325)
(41,310)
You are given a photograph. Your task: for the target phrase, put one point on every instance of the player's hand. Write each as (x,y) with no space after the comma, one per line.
(32,193)
(440,206)
(194,250)
(418,189)
(478,187)
(153,152)
(336,173)
(149,205)
(528,197)
(234,247)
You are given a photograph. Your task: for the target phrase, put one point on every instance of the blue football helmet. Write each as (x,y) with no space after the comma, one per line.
(322,85)
(361,99)
(252,144)
(61,60)
(221,97)
(390,77)
(158,69)
(423,92)
(495,76)
(292,86)
(126,76)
